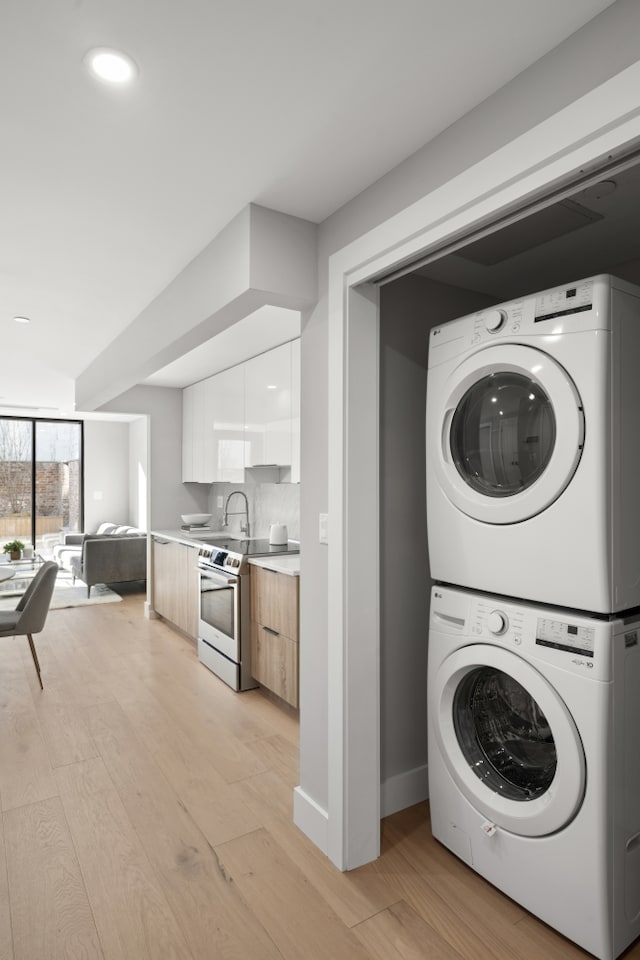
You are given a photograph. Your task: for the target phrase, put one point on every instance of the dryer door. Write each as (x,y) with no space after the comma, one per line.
(508,740)
(511,435)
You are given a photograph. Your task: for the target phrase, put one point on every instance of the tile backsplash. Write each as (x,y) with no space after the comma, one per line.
(268,503)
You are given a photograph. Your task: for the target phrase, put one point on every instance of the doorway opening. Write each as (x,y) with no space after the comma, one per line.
(510,180)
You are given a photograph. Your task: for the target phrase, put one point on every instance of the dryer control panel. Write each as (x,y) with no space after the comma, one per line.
(564,301)
(572,308)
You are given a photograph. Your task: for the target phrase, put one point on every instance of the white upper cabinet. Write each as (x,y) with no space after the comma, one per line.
(188,398)
(246,416)
(225,423)
(193,453)
(268,407)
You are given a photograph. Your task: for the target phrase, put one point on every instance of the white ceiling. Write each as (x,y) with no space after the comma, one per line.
(259,331)
(608,244)
(105,194)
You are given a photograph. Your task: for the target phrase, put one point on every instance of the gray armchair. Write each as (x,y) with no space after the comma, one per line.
(31,613)
(110,559)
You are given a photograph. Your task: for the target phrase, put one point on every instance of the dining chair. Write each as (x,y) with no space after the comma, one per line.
(31,612)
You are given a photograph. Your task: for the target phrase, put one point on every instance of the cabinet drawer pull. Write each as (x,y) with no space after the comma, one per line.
(269,630)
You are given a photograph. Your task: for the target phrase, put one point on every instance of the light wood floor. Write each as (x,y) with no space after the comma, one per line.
(146,813)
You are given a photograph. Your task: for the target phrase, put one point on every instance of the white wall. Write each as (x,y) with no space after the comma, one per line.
(106,473)
(261,257)
(168,495)
(139,472)
(598,51)
(409,307)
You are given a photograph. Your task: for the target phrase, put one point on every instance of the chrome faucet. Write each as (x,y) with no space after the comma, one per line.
(244,526)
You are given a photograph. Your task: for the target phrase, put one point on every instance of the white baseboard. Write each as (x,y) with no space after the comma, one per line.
(311,818)
(403,790)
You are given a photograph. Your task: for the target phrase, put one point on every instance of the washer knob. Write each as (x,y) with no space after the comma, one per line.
(494,319)
(497,622)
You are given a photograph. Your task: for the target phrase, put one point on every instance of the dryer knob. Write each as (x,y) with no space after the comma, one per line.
(494,319)
(497,622)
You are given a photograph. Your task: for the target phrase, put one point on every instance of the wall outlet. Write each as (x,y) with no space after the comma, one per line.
(323,528)
(219,501)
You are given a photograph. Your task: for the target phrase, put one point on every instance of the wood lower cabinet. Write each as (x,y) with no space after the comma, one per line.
(274,632)
(175,583)
(274,662)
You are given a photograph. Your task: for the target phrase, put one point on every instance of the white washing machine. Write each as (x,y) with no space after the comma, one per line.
(533,448)
(534,766)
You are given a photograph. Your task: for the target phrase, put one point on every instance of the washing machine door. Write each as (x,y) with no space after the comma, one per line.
(508,740)
(512,433)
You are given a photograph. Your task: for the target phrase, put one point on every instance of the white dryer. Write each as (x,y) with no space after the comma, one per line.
(533,447)
(534,767)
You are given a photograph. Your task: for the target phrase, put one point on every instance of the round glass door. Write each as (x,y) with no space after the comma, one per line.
(508,740)
(511,434)
(503,434)
(504,735)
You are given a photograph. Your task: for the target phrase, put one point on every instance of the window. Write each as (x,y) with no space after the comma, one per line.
(41,480)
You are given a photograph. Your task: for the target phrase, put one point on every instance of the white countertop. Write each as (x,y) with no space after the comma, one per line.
(289,563)
(190,538)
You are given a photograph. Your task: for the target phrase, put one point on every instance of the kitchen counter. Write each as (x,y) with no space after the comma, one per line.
(287,564)
(193,538)
(190,538)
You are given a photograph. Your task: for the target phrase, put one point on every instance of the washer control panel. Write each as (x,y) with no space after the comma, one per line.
(554,638)
(497,622)
(591,647)
(561,635)
(489,619)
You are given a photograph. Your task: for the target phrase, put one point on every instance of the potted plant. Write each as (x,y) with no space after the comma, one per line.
(14,549)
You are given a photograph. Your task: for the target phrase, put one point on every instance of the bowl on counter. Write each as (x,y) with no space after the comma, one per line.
(196,519)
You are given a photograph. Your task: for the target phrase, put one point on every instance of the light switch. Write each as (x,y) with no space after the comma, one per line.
(323,528)
(220,501)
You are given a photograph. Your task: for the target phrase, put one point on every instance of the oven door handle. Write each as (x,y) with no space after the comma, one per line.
(225,586)
(214,578)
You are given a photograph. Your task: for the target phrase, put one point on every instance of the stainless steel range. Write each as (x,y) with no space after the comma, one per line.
(224,630)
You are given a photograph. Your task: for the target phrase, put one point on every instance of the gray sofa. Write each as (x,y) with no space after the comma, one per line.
(114,554)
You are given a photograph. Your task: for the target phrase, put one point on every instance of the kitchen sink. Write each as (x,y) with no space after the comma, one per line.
(220,539)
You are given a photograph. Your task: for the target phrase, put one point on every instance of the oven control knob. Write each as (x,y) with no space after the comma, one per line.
(494,319)
(497,622)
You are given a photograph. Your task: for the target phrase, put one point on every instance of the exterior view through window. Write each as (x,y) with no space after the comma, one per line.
(41,471)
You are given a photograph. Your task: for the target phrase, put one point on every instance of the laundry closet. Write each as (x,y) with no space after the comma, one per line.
(591,231)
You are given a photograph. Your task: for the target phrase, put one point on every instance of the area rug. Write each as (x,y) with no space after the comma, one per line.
(65,594)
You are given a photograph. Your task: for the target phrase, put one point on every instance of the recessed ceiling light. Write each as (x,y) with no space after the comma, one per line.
(22,319)
(111,65)
(272,386)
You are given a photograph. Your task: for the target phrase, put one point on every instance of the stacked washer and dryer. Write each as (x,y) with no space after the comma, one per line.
(533,510)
